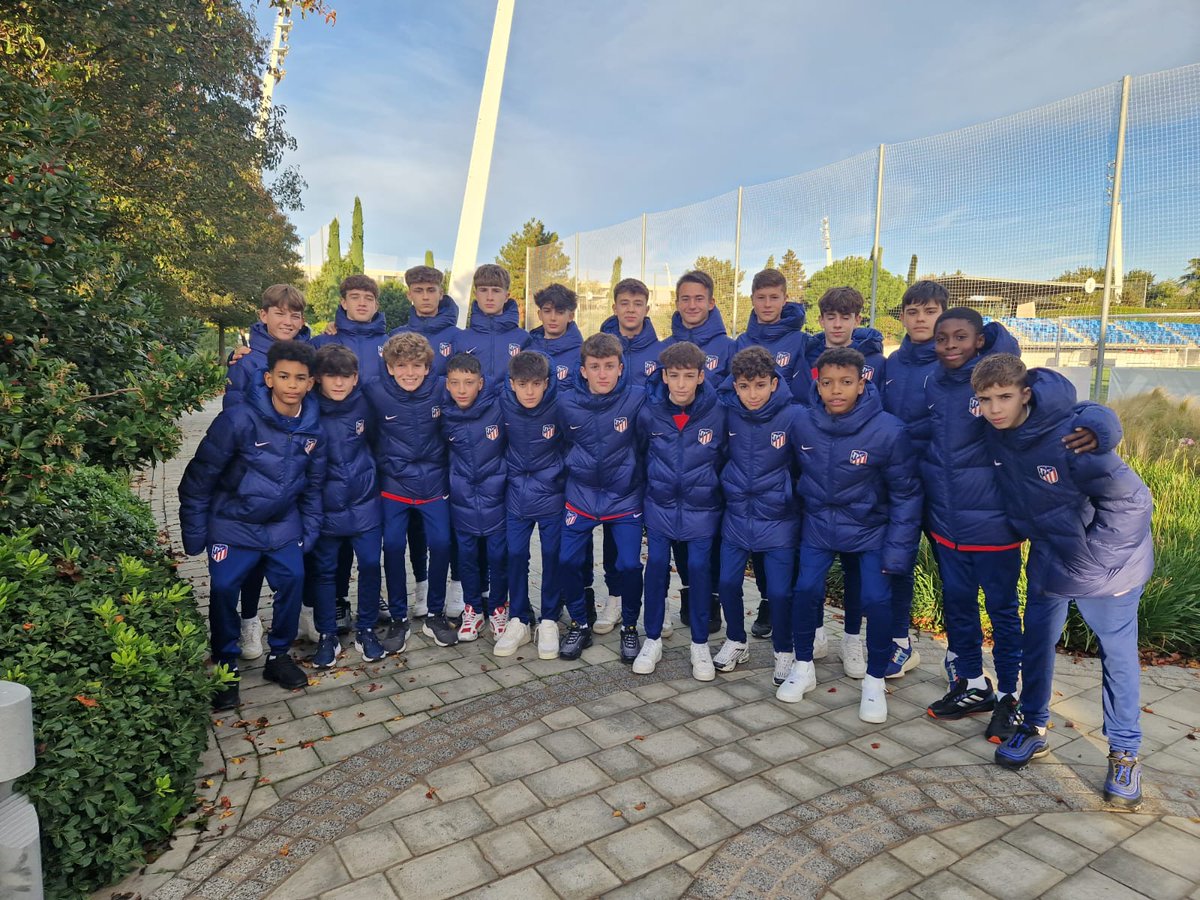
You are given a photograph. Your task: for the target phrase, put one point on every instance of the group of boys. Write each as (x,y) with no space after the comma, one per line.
(782,449)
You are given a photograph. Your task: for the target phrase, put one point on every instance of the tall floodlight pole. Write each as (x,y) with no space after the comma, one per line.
(1114,239)
(470,221)
(274,73)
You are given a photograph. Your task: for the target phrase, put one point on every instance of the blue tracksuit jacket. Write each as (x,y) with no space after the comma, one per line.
(534,452)
(495,340)
(563,351)
(640,353)
(365,339)
(248,371)
(785,339)
(858,482)
(604,469)
(350,494)
(907,371)
(478,467)
(441,330)
(711,337)
(685,450)
(405,433)
(1087,515)
(762,511)
(255,481)
(866,341)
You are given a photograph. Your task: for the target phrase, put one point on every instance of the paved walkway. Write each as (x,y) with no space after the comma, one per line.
(448,772)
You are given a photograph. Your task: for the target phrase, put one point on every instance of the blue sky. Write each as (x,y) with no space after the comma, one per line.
(617,108)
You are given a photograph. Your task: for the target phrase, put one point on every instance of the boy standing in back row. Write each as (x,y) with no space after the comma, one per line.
(558,336)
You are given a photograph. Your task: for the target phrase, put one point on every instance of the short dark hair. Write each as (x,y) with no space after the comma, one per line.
(292,351)
(684,355)
(768,278)
(695,277)
(842,357)
(600,346)
(529,365)
(753,362)
(336,359)
(558,296)
(282,296)
(631,286)
(845,300)
(999,370)
(464,362)
(423,275)
(492,275)
(964,313)
(358,283)
(925,291)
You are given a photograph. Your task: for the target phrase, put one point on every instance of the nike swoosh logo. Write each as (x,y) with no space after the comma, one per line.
(261,443)
(889,381)
(994,463)
(574,427)
(657,433)
(802,447)
(637,515)
(733,434)
(389,418)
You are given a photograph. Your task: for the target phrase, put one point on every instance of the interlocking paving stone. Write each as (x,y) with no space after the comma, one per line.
(372,850)
(517,761)
(699,824)
(1133,871)
(451,870)
(444,824)
(1168,847)
(1000,865)
(567,781)
(508,802)
(749,801)
(881,877)
(566,827)
(1050,847)
(375,887)
(635,799)
(1091,884)
(925,855)
(686,780)
(671,745)
(640,849)
(526,885)
(512,847)
(578,874)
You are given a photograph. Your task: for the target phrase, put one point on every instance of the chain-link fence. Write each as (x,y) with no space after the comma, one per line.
(1016,217)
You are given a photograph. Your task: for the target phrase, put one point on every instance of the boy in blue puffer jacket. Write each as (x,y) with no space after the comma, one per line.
(352,513)
(533,497)
(252,492)
(473,426)
(1088,520)
(762,514)
(682,429)
(862,500)
(433,315)
(629,323)
(413,480)
(558,336)
(493,332)
(604,485)
(908,368)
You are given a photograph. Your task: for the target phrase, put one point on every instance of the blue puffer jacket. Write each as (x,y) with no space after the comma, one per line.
(350,494)
(963,506)
(563,352)
(711,337)
(908,368)
(866,341)
(1087,515)
(785,339)
(536,471)
(409,449)
(255,481)
(683,463)
(495,340)
(365,339)
(478,467)
(858,482)
(640,354)
(604,469)
(248,371)
(759,479)
(441,330)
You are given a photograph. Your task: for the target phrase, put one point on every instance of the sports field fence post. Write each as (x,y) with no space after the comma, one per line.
(1114,237)
(875,242)
(737,261)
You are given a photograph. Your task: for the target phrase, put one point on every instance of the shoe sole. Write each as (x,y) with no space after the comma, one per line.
(872,720)
(398,650)
(365,658)
(1122,802)
(323,667)
(1005,763)
(743,657)
(603,627)
(244,655)
(856,675)
(468,637)
(909,664)
(797,699)
(761,634)
(290,687)
(704,676)
(956,716)
(509,651)
(226,707)
(548,654)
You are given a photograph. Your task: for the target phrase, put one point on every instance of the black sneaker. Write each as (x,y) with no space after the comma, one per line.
(329,648)
(227,698)
(630,645)
(762,622)
(395,637)
(385,612)
(577,639)
(684,601)
(714,614)
(284,672)
(589,602)
(441,629)
(962,701)
(343,616)
(1005,718)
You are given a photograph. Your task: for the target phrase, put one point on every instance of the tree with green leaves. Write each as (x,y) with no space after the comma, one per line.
(615,278)
(321,293)
(550,264)
(793,270)
(429,259)
(394,304)
(912,271)
(855,272)
(355,264)
(1191,278)
(721,272)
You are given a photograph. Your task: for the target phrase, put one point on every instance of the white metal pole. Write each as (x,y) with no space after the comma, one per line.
(642,273)
(470,221)
(875,245)
(271,77)
(1114,223)
(737,261)
(528,283)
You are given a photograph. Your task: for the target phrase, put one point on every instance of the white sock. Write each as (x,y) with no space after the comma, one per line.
(901,642)
(979,684)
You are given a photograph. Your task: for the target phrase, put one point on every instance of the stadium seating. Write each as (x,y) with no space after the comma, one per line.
(1080,332)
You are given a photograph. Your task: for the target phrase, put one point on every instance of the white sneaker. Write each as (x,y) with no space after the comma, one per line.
(783,667)
(515,634)
(251,641)
(820,644)
(801,679)
(419,604)
(498,621)
(608,616)
(730,654)
(873,706)
(472,624)
(702,664)
(648,657)
(454,600)
(547,640)
(854,660)
(305,631)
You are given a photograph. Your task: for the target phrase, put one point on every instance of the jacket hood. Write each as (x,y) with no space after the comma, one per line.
(647,337)
(445,317)
(865,340)
(781,397)
(308,420)
(996,339)
(921,354)
(508,319)
(486,400)
(869,405)
(1050,409)
(571,339)
(261,341)
(790,319)
(713,326)
(658,397)
(352,404)
(586,399)
(509,398)
(375,327)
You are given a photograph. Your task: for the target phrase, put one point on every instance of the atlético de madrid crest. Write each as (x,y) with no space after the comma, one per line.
(705,436)
(1048,474)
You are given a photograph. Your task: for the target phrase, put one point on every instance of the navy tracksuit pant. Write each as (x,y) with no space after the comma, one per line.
(482,565)
(658,577)
(228,568)
(435,516)
(519,531)
(323,568)
(576,536)
(875,593)
(778,568)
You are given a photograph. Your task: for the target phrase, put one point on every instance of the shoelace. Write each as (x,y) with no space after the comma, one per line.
(1122,769)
